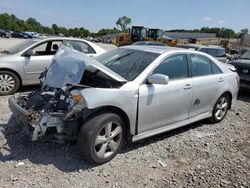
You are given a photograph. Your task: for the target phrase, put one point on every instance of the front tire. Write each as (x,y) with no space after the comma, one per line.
(101,138)
(220,108)
(9,83)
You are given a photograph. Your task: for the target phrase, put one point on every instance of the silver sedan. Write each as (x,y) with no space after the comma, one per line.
(23,63)
(128,93)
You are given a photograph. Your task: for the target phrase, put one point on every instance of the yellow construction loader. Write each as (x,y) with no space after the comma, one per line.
(140,33)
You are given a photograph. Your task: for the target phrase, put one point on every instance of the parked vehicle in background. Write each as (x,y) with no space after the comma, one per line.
(131,93)
(242,65)
(17,34)
(32,35)
(215,51)
(5,33)
(23,64)
(149,43)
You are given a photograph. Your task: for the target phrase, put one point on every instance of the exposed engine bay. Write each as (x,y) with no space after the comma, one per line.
(53,114)
(58,109)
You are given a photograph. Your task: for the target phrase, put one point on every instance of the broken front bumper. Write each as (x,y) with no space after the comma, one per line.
(52,124)
(22,116)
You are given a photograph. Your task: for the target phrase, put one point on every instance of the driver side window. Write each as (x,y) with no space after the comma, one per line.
(41,49)
(47,48)
(175,67)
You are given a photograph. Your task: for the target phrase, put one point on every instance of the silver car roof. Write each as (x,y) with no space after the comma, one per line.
(153,49)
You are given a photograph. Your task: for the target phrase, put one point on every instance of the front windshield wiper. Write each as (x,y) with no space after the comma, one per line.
(5,52)
(132,67)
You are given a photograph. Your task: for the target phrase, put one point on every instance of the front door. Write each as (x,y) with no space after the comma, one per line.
(162,105)
(35,64)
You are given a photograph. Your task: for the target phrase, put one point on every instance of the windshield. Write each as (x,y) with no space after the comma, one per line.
(246,54)
(21,46)
(127,63)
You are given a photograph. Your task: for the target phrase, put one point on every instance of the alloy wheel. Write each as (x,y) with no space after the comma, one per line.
(108,140)
(7,83)
(221,108)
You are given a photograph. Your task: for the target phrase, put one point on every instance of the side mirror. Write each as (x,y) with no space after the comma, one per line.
(29,53)
(158,79)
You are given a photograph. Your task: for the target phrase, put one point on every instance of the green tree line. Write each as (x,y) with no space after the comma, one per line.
(11,22)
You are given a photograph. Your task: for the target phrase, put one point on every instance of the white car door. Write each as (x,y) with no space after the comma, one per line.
(41,58)
(161,105)
(207,81)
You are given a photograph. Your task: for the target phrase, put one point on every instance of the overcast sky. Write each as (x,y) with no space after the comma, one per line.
(164,14)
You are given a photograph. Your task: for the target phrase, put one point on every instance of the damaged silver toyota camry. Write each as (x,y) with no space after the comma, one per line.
(128,93)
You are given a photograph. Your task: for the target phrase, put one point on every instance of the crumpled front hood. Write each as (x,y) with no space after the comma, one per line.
(68,66)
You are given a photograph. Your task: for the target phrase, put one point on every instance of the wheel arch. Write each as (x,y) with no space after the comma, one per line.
(113,109)
(229,94)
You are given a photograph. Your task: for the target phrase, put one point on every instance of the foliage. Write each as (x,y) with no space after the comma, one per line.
(11,22)
(220,32)
(123,22)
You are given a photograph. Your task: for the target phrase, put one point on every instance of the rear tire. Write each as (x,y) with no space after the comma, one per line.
(9,83)
(220,109)
(101,138)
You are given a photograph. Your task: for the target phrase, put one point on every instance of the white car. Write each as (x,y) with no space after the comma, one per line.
(22,64)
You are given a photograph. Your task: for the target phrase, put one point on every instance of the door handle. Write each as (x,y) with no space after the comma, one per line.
(221,80)
(187,87)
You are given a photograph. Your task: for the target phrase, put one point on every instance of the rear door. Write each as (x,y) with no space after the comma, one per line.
(207,82)
(81,47)
(162,105)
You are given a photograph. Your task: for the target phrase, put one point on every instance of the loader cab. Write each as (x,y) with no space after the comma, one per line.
(138,33)
(154,34)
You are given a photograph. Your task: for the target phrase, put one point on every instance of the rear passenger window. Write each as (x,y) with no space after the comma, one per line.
(80,46)
(200,65)
(174,67)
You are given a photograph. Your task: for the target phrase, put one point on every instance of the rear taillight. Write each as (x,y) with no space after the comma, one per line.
(238,80)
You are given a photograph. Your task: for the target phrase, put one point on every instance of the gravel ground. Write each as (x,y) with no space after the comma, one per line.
(198,155)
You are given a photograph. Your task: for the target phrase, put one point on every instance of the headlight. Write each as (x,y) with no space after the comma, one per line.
(76,96)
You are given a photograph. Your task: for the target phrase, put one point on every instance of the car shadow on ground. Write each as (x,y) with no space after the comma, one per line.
(16,146)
